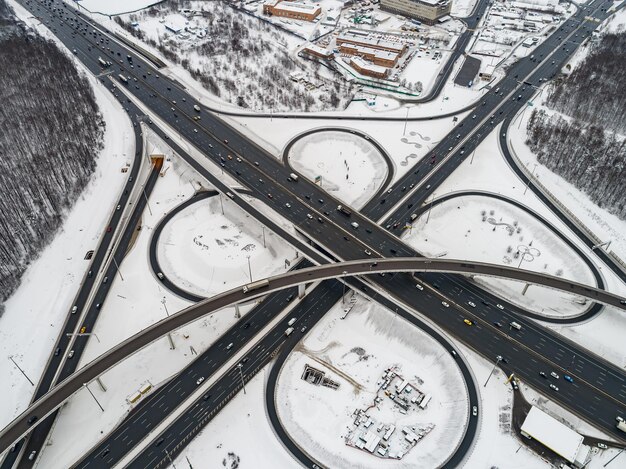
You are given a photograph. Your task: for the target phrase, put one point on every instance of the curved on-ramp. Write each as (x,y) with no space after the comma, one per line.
(53,399)
(595,307)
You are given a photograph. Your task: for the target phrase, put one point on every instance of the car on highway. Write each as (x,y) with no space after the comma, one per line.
(554,388)
(419,287)
(303,329)
(602,446)
(474,411)
(32,419)
(200,380)
(468,322)
(568,378)
(206,397)
(32,455)
(554,375)
(499,306)
(497,324)
(71,354)
(309,216)
(445,304)
(270,196)
(368,252)
(288,205)
(472,304)
(543,375)
(226,141)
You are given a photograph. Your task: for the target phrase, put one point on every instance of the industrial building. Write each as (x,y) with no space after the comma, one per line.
(368,68)
(379,57)
(554,435)
(428,11)
(366,40)
(317,51)
(293,10)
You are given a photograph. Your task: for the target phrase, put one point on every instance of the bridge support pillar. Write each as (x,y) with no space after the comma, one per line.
(301,288)
(237,312)
(525,288)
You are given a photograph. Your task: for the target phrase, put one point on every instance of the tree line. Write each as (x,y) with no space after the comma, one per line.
(50,134)
(585,144)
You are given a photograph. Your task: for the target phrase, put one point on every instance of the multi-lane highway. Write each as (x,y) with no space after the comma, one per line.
(334,232)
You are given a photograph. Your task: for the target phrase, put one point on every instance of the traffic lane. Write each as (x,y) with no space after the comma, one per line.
(308,312)
(137,426)
(68,365)
(517,354)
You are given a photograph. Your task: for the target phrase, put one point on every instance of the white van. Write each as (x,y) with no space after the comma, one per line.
(515,325)
(291,321)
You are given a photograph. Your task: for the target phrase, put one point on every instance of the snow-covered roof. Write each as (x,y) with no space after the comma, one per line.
(362,64)
(296,6)
(553,434)
(367,40)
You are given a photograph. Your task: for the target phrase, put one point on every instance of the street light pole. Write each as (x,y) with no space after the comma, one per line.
(498,358)
(531,175)
(169,334)
(243,384)
(263,235)
(118,268)
(18,367)
(249,268)
(94,397)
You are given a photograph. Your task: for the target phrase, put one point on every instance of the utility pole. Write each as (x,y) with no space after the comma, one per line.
(405,121)
(531,175)
(243,384)
(92,395)
(18,367)
(169,334)
(143,189)
(498,358)
(118,268)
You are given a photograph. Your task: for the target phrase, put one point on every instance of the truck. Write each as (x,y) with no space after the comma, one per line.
(103,63)
(621,424)
(344,210)
(123,79)
(288,331)
(256,285)
(196,107)
(293,177)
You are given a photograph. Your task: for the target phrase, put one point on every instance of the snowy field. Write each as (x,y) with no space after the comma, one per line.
(490,230)
(205,252)
(36,311)
(355,352)
(352,169)
(138,301)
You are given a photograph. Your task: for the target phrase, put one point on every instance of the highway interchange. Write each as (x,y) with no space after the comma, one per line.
(342,242)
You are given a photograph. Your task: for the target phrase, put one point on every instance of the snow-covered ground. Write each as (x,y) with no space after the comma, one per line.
(206,252)
(605,225)
(351,167)
(490,230)
(355,352)
(405,143)
(139,300)
(36,311)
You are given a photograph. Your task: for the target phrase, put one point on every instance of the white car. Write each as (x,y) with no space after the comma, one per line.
(200,380)
(474,411)
(445,304)
(419,287)
(500,306)
(554,375)
(602,446)
(553,387)
(288,205)
(472,304)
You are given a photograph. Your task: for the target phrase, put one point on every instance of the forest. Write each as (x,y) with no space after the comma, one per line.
(241,59)
(50,134)
(583,141)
